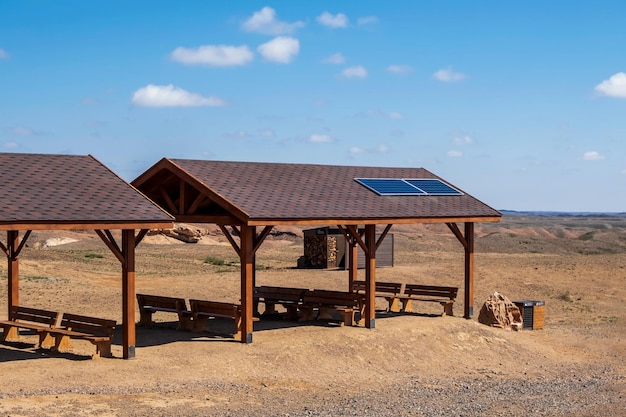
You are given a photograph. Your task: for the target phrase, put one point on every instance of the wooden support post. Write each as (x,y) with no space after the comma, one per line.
(469,271)
(370,276)
(246,256)
(353,258)
(128,293)
(13,273)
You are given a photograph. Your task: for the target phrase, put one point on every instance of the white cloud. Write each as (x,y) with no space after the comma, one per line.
(399,69)
(366,20)
(592,156)
(239,134)
(170,96)
(264,21)
(267,133)
(396,115)
(355,150)
(354,72)
(281,49)
(379,149)
(463,140)
(337,58)
(4,54)
(454,154)
(448,75)
(11,145)
(213,55)
(615,86)
(316,138)
(22,131)
(339,20)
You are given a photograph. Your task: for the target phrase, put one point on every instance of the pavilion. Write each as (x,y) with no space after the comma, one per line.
(69,192)
(250,195)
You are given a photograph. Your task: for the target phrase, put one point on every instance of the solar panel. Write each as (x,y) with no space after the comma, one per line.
(389,186)
(434,187)
(414,186)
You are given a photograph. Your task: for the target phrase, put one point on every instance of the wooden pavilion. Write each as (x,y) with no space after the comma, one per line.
(69,192)
(246,196)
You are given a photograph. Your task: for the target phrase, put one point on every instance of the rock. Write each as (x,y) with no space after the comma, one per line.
(499,311)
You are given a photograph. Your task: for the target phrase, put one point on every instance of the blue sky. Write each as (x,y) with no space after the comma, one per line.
(521,104)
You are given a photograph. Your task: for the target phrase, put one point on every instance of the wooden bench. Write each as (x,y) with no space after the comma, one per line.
(31,319)
(390,291)
(442,295)
(325,302)
(289,298)
(150,304)
(202,310)
(73,326)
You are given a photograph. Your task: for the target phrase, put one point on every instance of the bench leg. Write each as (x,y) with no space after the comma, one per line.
(145,317)
(270,308)
(238,323)
(10,334)
(62,343)
(103,350)
(308,313)
(46,341)
(199,324)
(185,321)
(394,304)
(447,308)
(407,306)
(292,313)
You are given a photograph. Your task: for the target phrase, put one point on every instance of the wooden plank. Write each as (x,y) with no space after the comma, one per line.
(382,236)
(311,221)
(87,225)
(168,201)
(112,245)
(128,294)
(370,276)
(247,286)
(230,238)
(468,309)
(13,271)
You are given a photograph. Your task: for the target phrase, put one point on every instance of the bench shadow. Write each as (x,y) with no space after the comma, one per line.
(27,351)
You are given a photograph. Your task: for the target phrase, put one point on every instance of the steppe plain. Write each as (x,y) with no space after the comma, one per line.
(409,365)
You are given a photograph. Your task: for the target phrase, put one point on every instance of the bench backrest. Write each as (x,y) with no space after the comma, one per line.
(215,307)
(431,290)
(91,325)
(161,302)
(34,315)
(279,293)
(335,298)
(382,287)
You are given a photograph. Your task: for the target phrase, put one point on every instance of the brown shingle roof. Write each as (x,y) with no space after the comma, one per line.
(273,193)
(40,189)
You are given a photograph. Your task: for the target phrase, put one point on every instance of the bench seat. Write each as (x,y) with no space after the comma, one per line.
(289,298)
(150,304)
(400,296)
(203,310)
(98,331)
(321,304)
(31,319)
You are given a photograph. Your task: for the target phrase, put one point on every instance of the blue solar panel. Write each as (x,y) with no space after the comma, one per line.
(434,187)
(399,186)
(389,186)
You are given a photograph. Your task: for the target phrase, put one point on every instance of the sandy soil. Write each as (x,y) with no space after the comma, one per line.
(417,364)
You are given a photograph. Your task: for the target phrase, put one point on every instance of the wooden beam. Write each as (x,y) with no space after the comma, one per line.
(13,270)
(196,203)
(230,238)
(182,198)
(383,235)
(128,294)
(168,201)
(258,240)
(352,257)
(354,232)
(370,276)
(88,225)
(457,232)
(468,311)
(4,249)
(223,219)
(291,221)
(246,256)
(22,243)
(108,240)
(142,233)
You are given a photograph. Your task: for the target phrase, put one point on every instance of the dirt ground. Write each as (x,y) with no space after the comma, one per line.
(411,364)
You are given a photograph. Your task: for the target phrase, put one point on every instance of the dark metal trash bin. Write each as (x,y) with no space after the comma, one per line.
(532,313)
